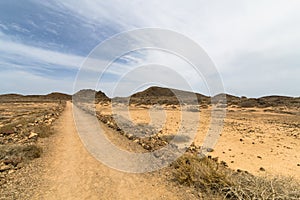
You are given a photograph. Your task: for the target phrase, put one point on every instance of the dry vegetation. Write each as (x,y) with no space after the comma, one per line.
(22,122)
(215,180)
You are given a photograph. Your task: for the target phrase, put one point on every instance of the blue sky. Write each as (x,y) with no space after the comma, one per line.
(255,45)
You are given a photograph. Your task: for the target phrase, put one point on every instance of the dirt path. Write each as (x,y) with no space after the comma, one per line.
(70,172)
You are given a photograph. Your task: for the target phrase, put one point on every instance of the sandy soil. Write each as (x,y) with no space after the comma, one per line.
(256,140)
(70,172)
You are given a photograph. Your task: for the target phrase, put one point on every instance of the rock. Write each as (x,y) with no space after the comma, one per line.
(192,148)
(157,154)
(215,159)
(130,136)
(19,126)
(145,146)
(5,167)
(262,169)
(224,163)
(32,135)
(209,149)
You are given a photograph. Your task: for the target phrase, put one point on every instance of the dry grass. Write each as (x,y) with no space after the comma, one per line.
(217,181)
(7,129)
(43,130)
(14,154)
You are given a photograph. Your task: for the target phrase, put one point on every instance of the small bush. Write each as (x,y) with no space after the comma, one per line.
(13,154)
(7,129)
(202,173)
(43,131)
(214,179)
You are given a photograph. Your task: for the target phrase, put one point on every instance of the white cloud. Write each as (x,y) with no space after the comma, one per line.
(14,50)
(225,29)
(242,37)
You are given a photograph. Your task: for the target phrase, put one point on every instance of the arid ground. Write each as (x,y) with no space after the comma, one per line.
(43,157)
(259,140)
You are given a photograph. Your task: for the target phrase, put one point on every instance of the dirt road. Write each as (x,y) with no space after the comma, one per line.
(72,173)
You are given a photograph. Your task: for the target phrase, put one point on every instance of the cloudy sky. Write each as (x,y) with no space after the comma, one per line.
(255,45)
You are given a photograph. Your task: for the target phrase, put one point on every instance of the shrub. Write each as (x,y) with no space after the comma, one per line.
(202,173)
(14,154)
(214,179)
(43,130)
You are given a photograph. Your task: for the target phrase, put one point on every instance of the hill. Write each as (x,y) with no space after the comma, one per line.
(89,95)
(159,95)
(55,96)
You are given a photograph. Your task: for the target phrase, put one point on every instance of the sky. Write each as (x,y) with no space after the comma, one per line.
(254,45)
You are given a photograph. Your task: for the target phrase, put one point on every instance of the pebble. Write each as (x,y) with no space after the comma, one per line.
(32,135)
(262,169)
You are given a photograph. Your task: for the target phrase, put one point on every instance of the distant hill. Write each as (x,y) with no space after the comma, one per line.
(89,95)
(55,96)
(13,96)
(159,95)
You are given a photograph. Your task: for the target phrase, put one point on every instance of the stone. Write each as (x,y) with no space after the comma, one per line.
(209,149)
(5,167)
(19,125)
(145,146)
(262,169)
(130,136)
(33,135)
(224,163)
